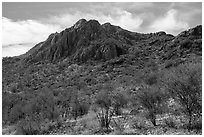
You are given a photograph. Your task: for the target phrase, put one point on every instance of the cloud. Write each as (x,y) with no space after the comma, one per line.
(15,50)
(35,31)
(26,31)
(169,23)
(118,17)
(51,17)
(126,20)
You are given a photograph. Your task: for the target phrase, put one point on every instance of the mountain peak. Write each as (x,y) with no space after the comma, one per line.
(93,23)
(79,23)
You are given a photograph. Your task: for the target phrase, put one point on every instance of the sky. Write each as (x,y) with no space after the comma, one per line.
(26,24)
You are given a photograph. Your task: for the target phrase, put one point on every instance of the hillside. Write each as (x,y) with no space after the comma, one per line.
(56,87)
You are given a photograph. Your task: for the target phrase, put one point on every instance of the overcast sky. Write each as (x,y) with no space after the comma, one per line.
(26,24)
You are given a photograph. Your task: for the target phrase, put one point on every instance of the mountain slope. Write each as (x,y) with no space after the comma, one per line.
(106,46)
(59,79)
(89,40)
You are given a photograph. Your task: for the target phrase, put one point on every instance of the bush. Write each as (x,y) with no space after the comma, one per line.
(89,123)
(14,89)
(186,43)
(104,102)
(185,86)
(197,124)
(170,122)
(29,126)
(36,110)
(78,107)
(151,78)
(110,102)
(119,100)
(15,113)
(45,104)
(11,108)
(139,123)
(153,100)
(63,101)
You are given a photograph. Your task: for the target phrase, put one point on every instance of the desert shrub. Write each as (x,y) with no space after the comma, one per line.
(62,66)
(11,108)
(120,123)
(139,123)
(77,106)
(79,109)
(152,65)
(197,124)
(16,87)
(29,126)
(15,113)
(186,43)
(104,102)
(170,122)
(174,107)
(46,104)
(173,63)
(184,85)
(89,123)
(151,78)
(119,100)
(109,102)
(36,110)
(63,101)
(153,100)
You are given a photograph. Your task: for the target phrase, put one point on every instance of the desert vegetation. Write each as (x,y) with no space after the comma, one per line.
(113,82)
(163,102)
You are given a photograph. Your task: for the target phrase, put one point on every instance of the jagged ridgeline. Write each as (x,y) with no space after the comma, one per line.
(89,40)
(85,40)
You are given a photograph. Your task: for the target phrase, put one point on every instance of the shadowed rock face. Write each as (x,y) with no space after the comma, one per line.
(89,40)
(80,42)
(83,41)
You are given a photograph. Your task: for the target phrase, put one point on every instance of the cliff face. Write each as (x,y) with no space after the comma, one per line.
(83,41)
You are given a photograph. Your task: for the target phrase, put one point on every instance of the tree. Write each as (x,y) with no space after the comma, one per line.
(153,100)
(104,102)
(36,110)
(110,102)
(119,100)
(46,103)
(12,107)
(77,106)
(64,99)
(185,86)
(152,96)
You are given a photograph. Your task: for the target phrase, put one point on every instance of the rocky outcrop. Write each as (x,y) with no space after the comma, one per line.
(192,33)
(190,40)
(85,40)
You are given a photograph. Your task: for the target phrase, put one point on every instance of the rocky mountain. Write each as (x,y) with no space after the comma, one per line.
(106,45)
(58,85)
(85,40)
(101,46)
(89,40)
